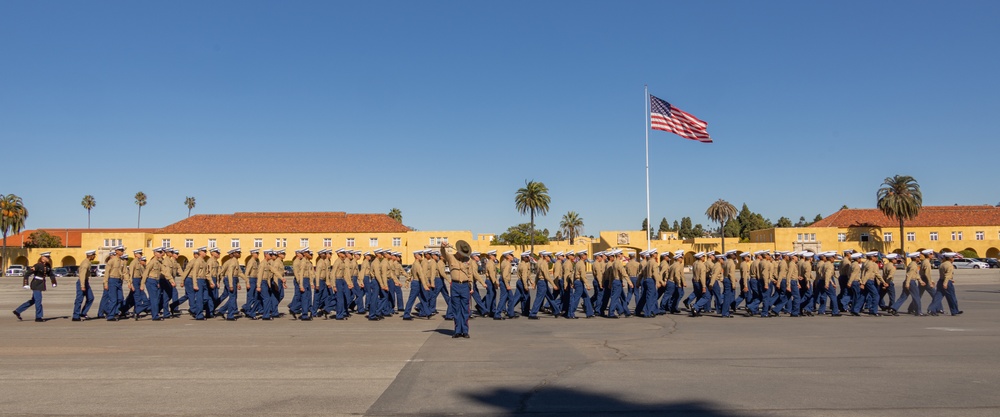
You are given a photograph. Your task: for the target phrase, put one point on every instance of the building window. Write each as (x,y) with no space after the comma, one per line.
(258,243)
(234,243)
(980,235)
(956,235)
(959,234)
(887,237)
(327,242)
(812,237)
(166,243)
(149,243)
(397,242)
(435,241)
(910,236)
(350,242)
(934,236)
(373,242)
(798,238)
(864,237)
(304,243)
(211,243)
(117,242)
(280,242)
(842,237)
(188,243)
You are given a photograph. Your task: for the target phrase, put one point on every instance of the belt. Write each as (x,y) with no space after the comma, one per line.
(461,282)
(118,278)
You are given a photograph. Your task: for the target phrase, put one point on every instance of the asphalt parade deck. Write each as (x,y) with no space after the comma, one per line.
(668,365)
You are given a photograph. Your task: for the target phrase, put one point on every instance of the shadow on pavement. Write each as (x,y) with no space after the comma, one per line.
(571,402)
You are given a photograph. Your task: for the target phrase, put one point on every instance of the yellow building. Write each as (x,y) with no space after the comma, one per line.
(941,228)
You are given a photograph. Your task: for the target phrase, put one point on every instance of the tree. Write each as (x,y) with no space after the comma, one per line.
(645,224)
(900,198)
(664,225)
(571,225)
(558,236)
(685,232)
(396,214)
(843,207)
(784,222)
(801,222)
(532,199)
(720,212)
(750,221)
(140,200)
(697,231)
(88,203)
(676,227)
(189,202)
(42,239)
(521,235)
(12,217)
(731,229)
(817,218)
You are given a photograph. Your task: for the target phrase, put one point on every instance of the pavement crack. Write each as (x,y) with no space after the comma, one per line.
(617,351)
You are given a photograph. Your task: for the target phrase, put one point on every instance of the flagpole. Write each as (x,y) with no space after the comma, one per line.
(645,126)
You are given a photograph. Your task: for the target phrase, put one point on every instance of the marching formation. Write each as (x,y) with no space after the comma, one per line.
(335,284)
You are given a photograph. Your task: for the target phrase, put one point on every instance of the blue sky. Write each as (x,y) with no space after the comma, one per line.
(443,109)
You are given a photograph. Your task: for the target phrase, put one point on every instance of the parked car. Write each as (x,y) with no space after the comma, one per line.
(100,270)
(93,270)
(992,262)
(289,271)
(73,271)
(60,272)
(14,271)
(970,264)
(935,263)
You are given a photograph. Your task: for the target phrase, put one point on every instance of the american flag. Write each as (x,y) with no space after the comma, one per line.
(663,116)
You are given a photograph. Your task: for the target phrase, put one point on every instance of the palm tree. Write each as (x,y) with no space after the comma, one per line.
(721,212)
(12,216)
(532,199)
(140,200)
(900,198)
(396,214)
(88,203)
(571,225)
(189,202)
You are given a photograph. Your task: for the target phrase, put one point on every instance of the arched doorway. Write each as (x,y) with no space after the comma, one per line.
(971,252)
(68,261)
(993,253)
(21,260)
(182,261)
(943,250)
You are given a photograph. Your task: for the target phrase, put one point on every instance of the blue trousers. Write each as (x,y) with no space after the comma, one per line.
(35,300)
(579,292)
(305,298)
(166,292)
(414,294)
(269,304)
(742,295)
(504,300)
(521,297)
(667,301)
(478,300)
(378,306)
(319,297)
(826,292)
(716,291)
(189,294)
(704,297)
(252,303)
(396,295)
(597,298)
(891,292)
(344,296)
(84,299)
(871,297)
(914,291)
(460,303)
(856,297)
(646,303)
(615,299)
(947,292)
(808,301)
(114,296)
(371,295)
(631,292)
(754,297)
(153,289)
(767,295)
(424,305)
(490,300)
(200,299)
(360,294)
(229,306)
(794,299)
(727,296)
(541,296)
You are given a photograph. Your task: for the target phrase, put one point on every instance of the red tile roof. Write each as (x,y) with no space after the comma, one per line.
(69,237)
(323,222)
(930,216)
